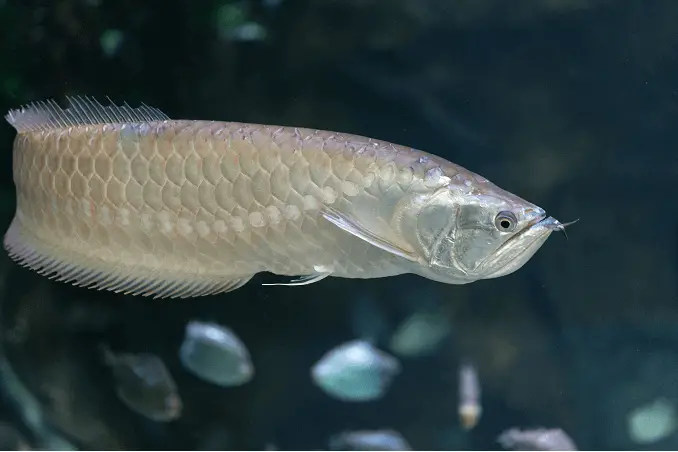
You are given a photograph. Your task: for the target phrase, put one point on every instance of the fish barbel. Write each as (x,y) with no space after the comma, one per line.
(129,200)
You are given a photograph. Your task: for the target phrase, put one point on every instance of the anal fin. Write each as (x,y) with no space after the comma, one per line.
(85,271)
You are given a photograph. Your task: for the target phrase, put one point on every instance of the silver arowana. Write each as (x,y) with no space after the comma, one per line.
(128,200)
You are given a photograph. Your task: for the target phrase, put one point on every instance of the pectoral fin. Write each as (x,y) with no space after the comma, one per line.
(353,227)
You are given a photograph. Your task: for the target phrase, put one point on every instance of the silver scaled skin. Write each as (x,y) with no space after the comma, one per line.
(126,199)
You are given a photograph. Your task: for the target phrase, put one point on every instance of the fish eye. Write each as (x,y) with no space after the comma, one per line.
(505,221)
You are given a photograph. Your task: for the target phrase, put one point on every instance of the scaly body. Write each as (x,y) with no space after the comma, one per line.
(129,200)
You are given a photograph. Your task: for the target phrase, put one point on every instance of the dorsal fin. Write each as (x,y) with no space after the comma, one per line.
(44,115)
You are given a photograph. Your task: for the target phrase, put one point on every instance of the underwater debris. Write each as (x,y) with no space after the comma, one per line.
(215,354)
(355,371)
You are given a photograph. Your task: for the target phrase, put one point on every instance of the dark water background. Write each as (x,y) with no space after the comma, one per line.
(570,104)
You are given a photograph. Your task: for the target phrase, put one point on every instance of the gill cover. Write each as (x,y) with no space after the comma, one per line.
(428,222)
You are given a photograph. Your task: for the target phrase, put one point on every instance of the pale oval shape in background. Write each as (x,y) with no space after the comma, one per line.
(145,386)
(385,439)
(652,422)
(215,354)
(355,371)
(420,334)
(536,439)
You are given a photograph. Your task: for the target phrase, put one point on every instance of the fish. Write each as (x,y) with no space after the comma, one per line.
(385,439)
(144,384)
(652,422)
(470,409)
(536,439)
(215,354)
(355,371)
(128,200)
(420,334)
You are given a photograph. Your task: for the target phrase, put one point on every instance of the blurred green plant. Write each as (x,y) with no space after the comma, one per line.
(233,22)
(110,41)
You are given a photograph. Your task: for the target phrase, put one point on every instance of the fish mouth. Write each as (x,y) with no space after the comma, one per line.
(517,250)
(540,225)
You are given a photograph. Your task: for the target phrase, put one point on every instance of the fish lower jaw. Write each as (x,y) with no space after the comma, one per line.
(520,258)
(445,277)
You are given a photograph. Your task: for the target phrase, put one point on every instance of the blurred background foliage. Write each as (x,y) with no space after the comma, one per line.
(568,103)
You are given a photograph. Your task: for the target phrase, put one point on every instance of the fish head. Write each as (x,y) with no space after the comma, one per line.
(478,231)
